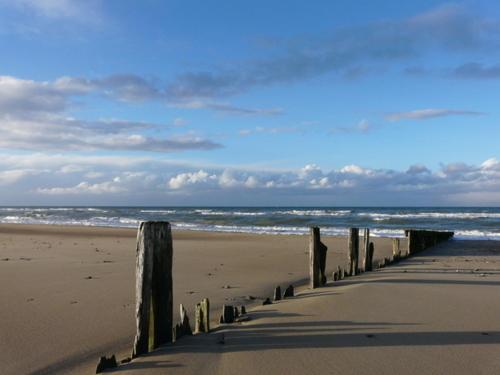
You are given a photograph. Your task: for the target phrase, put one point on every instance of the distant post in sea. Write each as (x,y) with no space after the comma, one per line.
(153,287)
(317,259)
(353,252)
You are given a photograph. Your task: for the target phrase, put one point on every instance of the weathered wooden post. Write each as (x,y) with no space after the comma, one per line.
(396,252)
(317,259)
(366,247)
(153,286)
(277,293)
(353,254)
(371,250)
(202,323)
(289,292)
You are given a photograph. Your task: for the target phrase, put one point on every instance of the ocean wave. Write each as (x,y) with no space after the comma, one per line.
(159,211)
(476,235)
(432,215)
(209,212)
(314,212)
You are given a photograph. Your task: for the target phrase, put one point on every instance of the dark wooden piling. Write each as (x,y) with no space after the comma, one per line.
(289,292)
(154,296)
(227,314)
(340,273)
(353,252)
(277,293)
(317,259)
(369,262)
(366,248)
(105,364)
(419,240)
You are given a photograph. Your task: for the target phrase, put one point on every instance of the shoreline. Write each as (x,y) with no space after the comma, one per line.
(373,233)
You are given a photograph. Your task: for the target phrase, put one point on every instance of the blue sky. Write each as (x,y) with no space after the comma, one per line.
(249,103)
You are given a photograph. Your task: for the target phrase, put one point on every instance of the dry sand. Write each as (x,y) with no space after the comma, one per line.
(437,313)
(68,292)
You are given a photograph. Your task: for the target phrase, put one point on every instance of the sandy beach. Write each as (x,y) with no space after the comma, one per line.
(68,292)
(68,298)
(436,313)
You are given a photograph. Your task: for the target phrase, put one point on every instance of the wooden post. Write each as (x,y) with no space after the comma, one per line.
(153,286)
(203,316)
(371,250)
(277,293)
(396,252)
(317,259)
(366,247)
(185,325)
(289,292)
(353,254)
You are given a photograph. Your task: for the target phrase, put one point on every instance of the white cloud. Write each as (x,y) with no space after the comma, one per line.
(185,179)
(151,181)
(10,176)
(33,116)
(84,188)
(425,114)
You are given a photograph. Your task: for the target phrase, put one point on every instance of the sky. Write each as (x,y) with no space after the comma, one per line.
(248,103)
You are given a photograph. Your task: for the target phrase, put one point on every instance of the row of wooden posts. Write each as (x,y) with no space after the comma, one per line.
(418,240)
(154,289)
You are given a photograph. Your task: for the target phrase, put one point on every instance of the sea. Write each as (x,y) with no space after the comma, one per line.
(468,223)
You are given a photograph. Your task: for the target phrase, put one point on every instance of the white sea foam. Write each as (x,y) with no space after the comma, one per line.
(159,211)
(432,215)
(315,212)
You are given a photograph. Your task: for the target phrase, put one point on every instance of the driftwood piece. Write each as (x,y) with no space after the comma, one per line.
(202,316)
(289,292)
(153,286)
(106,363)
(277,293)
(353,252)
(317,259)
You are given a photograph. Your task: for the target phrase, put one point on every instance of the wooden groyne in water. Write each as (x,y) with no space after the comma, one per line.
(154,295)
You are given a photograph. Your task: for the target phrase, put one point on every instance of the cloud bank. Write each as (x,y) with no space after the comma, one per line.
(63,179)
(34,116)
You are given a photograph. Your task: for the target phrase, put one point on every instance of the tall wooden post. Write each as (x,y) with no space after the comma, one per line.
(153,288)
(371,250)
(366,247)
(353,254)
(317,259)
